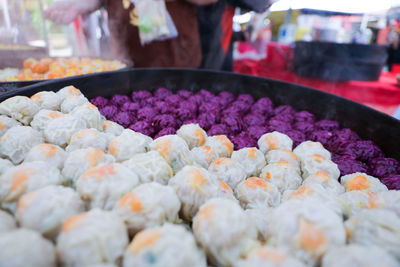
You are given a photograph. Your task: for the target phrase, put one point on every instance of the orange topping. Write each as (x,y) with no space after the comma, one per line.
(72,90)
(26,200)
(48,150)
(252,152)
(85,132)
(196,179)
(1,125)
(206,212)
(226,142)
(106,124)
(131,200)
(55,114)
(94,155)
(99,173)
(318,158)
(219,161)
(282,163)
(272,141)
(208,150)
(113,147)
(268,175)
(73,221)
(20,177)
(374,200)
(310,237)
(144,239)
(294,156)
(199,133)
(225,186)
(37,97)
(254,182)
(164,146)
(302,192)
(358,182)
(271,254)
(324,176)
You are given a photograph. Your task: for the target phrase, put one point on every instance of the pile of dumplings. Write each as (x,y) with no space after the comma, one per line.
(79,190)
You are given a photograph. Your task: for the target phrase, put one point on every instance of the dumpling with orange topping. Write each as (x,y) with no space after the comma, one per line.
(17,141)
(112,128)
(165,246)
(325,179)
(47,100)
(24,247)
(192,134)
(254,192)
(60,130)
(266,256)
(194,186)
(260,217)
(67,91)
(100,234)
(278,155)
(174,150)
(203,156)
(375,227)
(79,161)
(356,200)
(305,229)
(358,256)
(308,148)
(221,145)
(362,181)
(128,144)
(390,200)
(52,154)
(90,114)
(88,138)
(5,164)
(313,163)
(230,172)
(7,123)
(44,210)
(44,117)
(20,108)
(148,205)
(72,102)
(274,141)
(149,167)
(7,222)
(283,175)
(102,186)
(250,159)
(225,219)
(24,178)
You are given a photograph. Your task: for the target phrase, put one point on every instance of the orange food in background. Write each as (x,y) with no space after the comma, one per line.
(53,68)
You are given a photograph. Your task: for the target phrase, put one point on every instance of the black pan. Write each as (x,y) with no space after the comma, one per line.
(368,123)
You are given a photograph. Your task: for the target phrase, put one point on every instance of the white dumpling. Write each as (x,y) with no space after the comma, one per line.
(260,217)
(52,154)
(174,150)
(305,229)
(228,171)
(44,210)
(274,141)
(149,167)
(389,200)
(60,130)
(250,159)
(148,205)
(44,117)
(362,181)
(274,156)
(17,142)
(266,256)
(282,175)
(7,123)
(203,156)
(47,100)
(309,148)
(79,161)
(7,222)
(313,163)
(193,134)
(128,144)
(90,114)
(88,138)
(102,186)
(375,227)
(225,219)
(221,145)
(113,128)
(5,164)
(24,247)
(67,91)
(325,179)
(72,102)
(256,192)
(165,246)
(20,108)
(100,234)
(356,200)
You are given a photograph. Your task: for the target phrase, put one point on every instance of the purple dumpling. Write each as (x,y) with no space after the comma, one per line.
(364,150)
(284,109)
(208,108)
(143,127)
(230,97)
(163,107)
(235,125)
(247,98)
(149,102)
(321,136)
(254,119)
(197,99)
(346,134)
(208,119)
(297,137)
(162,93)
(304,116)
(173,100)
(165,131)
(99,101)
(241,105)
(184,114)
(286,117)
(348,164)
(242,140)
(138,96)
(206,94)
(392,181)
(255,132)
(304,126)
(123,118)
(118,100)
(146,113)
(279,126)
(131,107)
(233,111)
(109,111)
(327,125)
(184,93)
(164,121)
(189,105)
(220,102)
(218,129)
(380,167)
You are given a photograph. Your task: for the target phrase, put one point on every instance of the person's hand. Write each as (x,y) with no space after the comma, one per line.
(202,2)
(65,12)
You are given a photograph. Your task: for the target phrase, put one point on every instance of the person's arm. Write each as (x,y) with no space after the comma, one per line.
(65,12)
(255,5)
